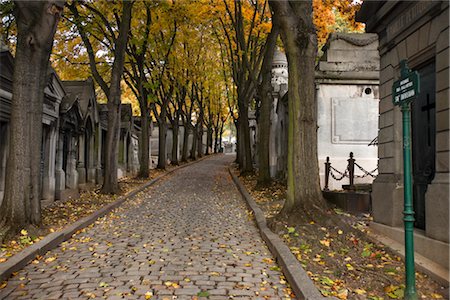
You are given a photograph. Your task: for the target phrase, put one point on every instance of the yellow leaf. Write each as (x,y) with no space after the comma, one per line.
(268,260)
(148,295)
(340,231)
(248,265)
(3,284)
(23,232)
(342,294)
(349,267)
(168,283)
(2,260)
(187,280)
(50,259)
(325,242)
(436,296)
(360,291)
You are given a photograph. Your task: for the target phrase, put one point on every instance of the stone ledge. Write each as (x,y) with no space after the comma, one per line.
(393,238)
(300,282)
(52,240)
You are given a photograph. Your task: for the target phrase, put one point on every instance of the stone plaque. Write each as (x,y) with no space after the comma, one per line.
(354,120)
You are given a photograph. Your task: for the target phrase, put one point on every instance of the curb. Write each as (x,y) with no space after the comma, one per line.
(52,240)
(300,282)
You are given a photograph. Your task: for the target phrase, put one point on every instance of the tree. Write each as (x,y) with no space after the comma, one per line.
(300,41)
(136,79)
(266,100)
(96,25)
(335,15)
(36,26)
(245,28)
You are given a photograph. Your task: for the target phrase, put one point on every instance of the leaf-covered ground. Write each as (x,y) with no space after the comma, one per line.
(61,214)
(343,264)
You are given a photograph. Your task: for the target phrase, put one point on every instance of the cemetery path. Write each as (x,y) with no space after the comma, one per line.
(187,237)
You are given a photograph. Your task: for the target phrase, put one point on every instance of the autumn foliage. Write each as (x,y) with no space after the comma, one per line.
(335,16)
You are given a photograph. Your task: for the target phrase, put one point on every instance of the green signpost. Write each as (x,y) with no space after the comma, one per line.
(404,91)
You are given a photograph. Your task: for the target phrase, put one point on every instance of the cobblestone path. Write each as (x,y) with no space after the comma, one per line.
(188,237)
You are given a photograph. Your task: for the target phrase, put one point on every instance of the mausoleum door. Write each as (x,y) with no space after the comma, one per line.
(423,114)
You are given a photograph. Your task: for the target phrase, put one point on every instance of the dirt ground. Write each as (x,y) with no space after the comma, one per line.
(343,263)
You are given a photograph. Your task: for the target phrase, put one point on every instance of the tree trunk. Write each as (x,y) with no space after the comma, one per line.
(301,46)
(239,156)
(185,151)
(194,143)
(162,149)
(144,163)
(216,139)
(110,181)
(244,141)
(209,139)
(265,91)
(175,129)
(36,26)
(220,136)
(200,140)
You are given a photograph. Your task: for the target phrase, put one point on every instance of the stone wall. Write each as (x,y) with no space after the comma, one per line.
(418,32)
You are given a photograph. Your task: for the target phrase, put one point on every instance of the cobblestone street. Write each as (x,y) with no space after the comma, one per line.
(189,236)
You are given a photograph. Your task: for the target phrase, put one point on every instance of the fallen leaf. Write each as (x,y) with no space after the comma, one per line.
(325,243)
(50,259)
(436,296)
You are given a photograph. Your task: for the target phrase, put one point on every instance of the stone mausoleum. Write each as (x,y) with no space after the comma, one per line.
(347,104)
(73,135)
(419,33)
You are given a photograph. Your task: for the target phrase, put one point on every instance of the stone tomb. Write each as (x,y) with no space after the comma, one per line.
(54,94)
(89,163)
(68,149)
(347,103)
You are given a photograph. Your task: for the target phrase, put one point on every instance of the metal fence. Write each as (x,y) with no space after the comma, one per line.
(349,172)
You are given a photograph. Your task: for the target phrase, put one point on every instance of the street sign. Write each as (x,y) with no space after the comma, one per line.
(404,91)
(407,87)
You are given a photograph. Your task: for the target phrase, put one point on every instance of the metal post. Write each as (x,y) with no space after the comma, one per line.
(410,290)
(327,173)
(351,171)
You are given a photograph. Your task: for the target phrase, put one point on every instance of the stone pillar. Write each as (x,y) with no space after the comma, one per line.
(273,137)
(49,180)
(60,175)
(71,172)
(81,167)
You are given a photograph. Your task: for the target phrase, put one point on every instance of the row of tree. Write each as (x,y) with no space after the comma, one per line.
(194,63)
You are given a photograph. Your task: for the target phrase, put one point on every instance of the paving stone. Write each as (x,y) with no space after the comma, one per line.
(192,225)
